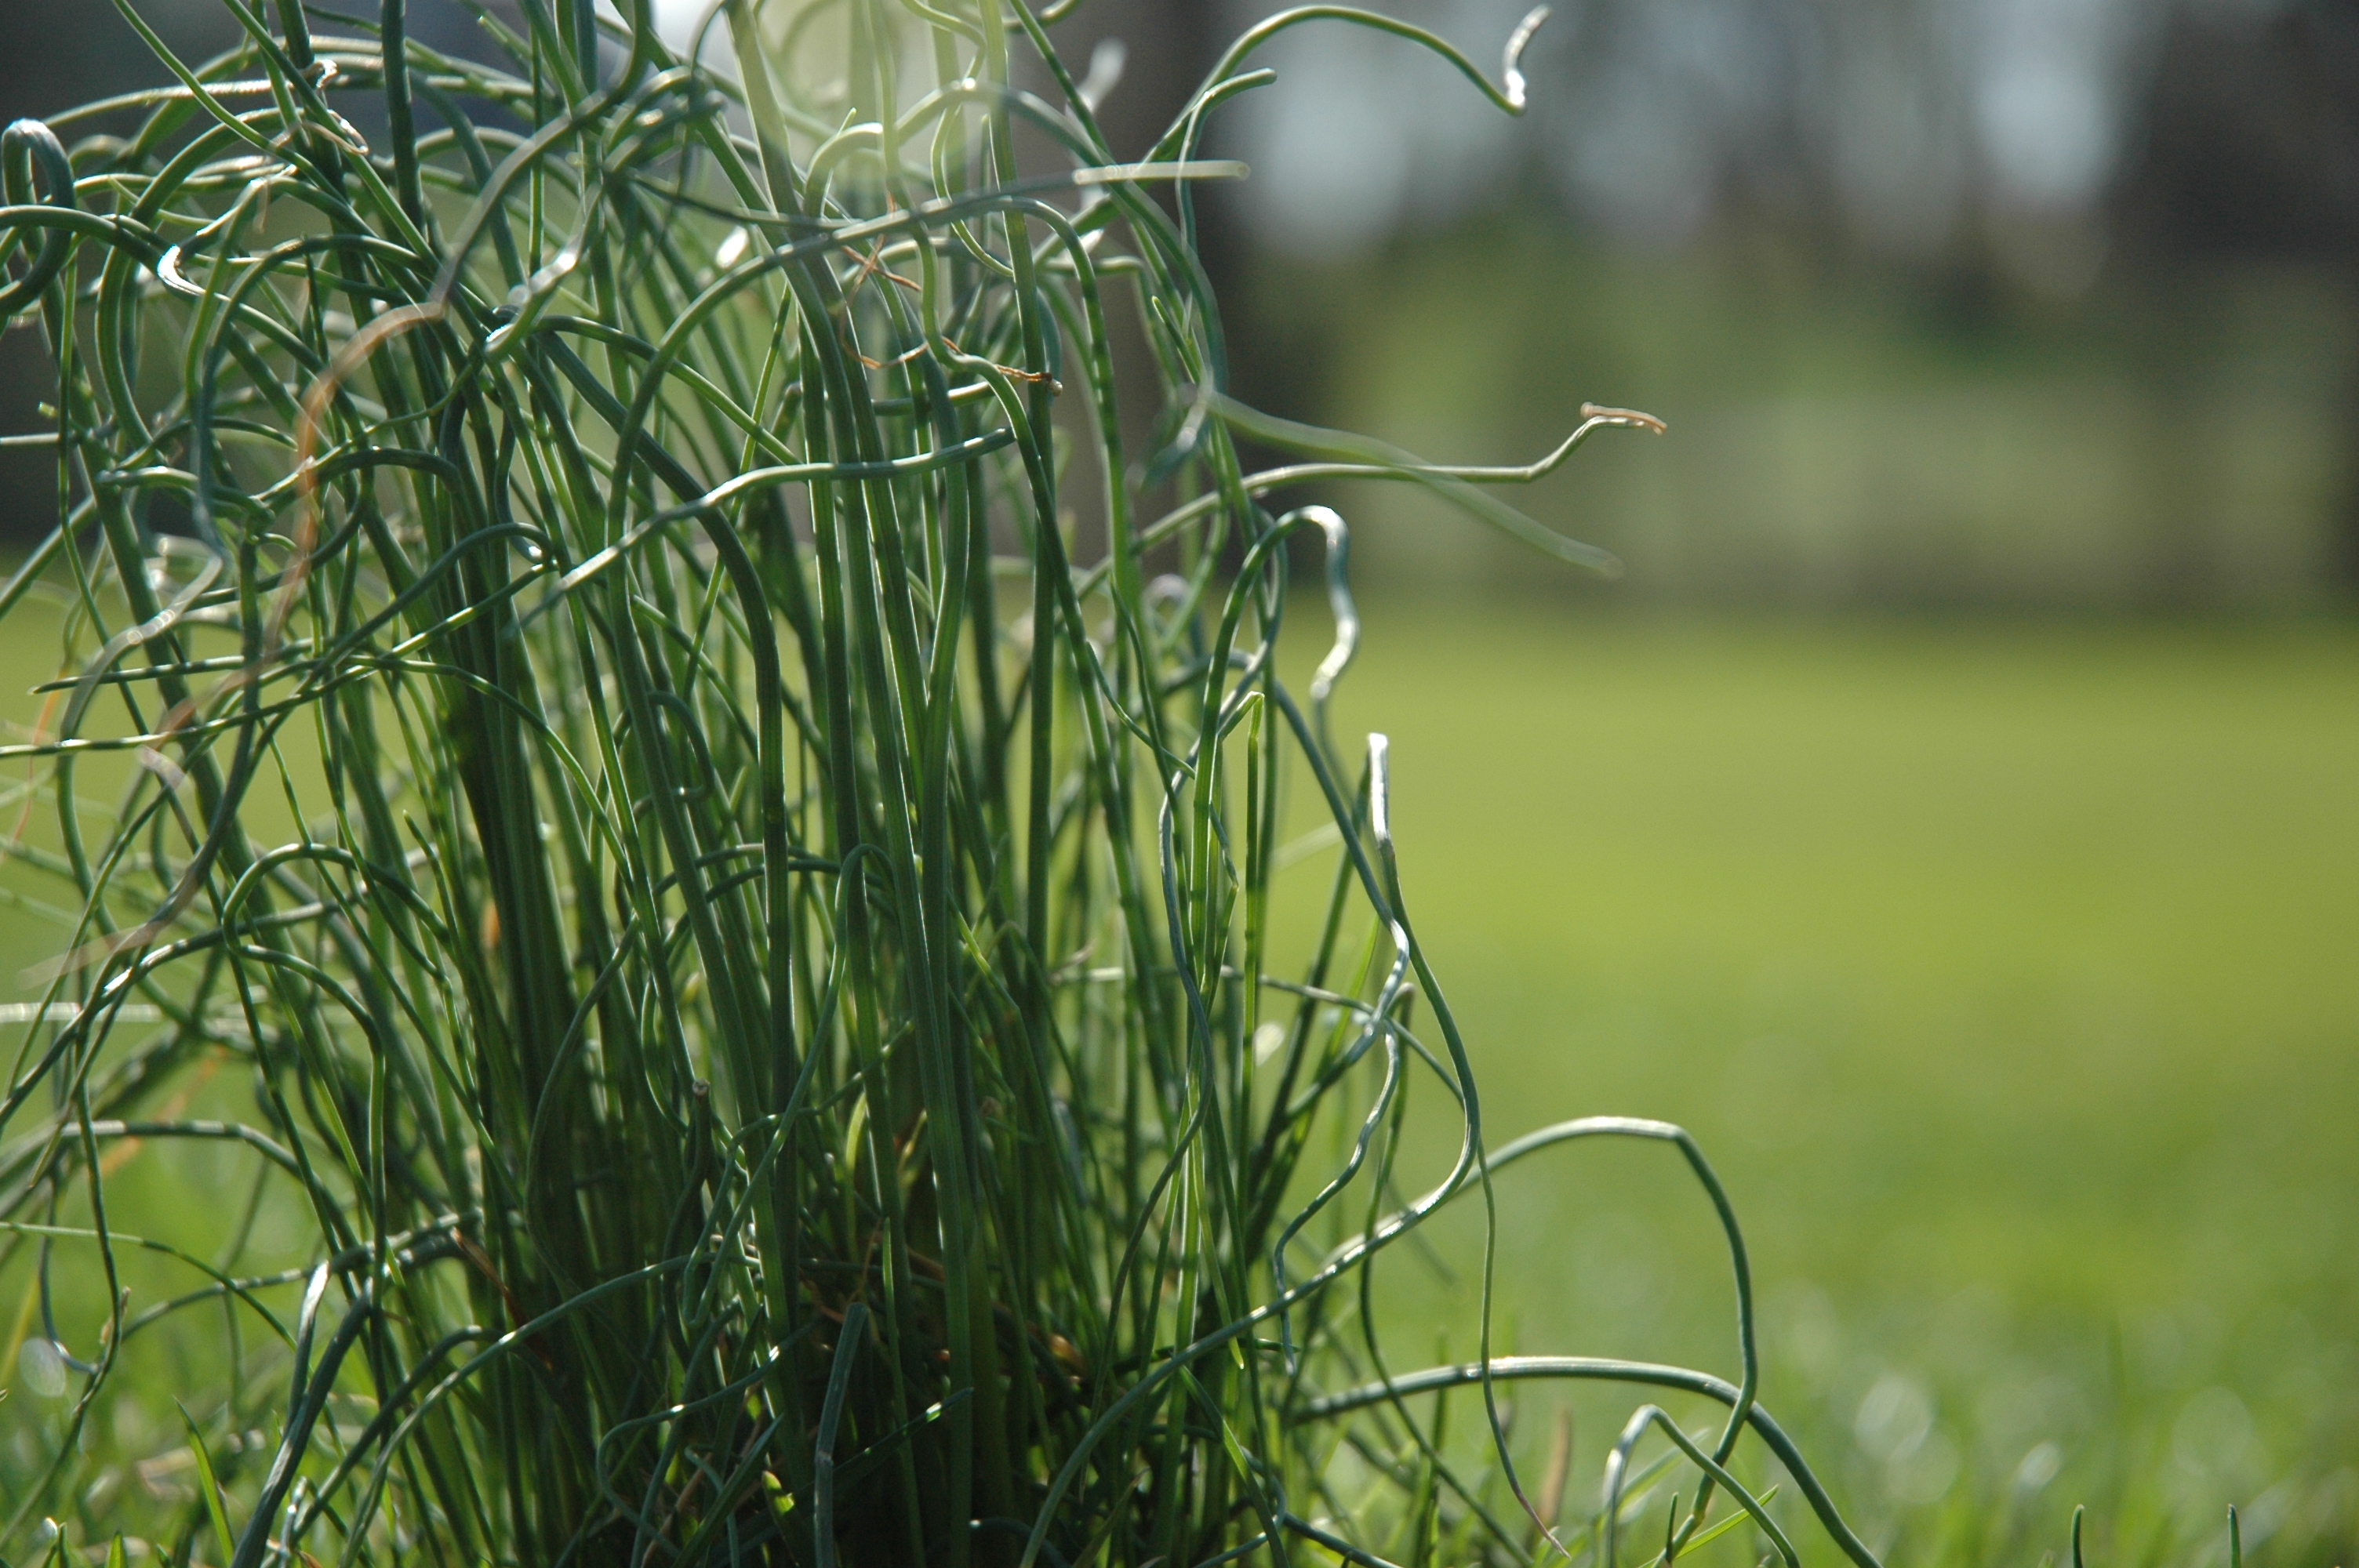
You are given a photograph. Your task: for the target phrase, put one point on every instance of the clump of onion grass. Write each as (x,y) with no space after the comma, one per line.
(589,763)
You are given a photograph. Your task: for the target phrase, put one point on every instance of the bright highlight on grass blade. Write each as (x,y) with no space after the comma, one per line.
(722,1031)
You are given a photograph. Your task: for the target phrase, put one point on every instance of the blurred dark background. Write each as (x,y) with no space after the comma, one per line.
(2001,302)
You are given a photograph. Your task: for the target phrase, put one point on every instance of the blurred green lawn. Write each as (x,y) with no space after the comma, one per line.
(1838,435)
(2006,970)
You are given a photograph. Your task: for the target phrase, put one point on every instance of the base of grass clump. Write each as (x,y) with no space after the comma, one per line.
(700,1036)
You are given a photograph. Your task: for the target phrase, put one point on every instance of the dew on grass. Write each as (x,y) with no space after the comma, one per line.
(2039,1467)
(1895,1419)
(42,1368)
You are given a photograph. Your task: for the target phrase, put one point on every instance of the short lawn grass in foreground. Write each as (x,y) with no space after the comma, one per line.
(2007,971)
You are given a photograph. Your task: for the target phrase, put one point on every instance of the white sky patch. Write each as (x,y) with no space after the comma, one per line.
(1645,112)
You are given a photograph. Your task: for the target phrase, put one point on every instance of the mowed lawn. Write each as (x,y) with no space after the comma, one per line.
(2006,971)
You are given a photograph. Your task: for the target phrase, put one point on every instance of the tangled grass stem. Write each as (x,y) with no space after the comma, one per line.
(770,1048)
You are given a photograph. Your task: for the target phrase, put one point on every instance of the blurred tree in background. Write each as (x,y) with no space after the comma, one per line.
(2023,301)
(2251,155)
(1997,301)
